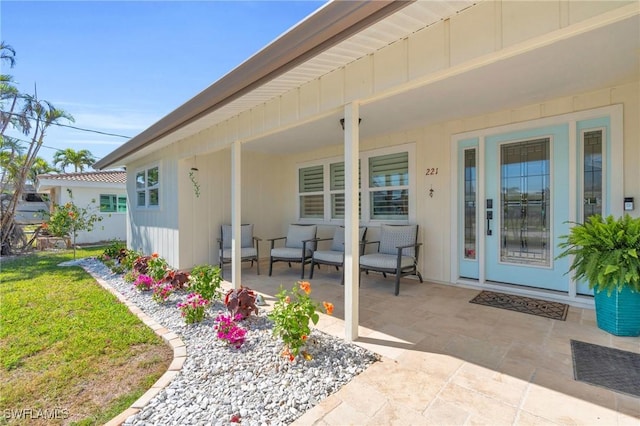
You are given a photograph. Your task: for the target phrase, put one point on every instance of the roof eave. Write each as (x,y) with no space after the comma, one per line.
(326,27)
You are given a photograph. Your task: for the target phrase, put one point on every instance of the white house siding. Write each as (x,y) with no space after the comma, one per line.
(155,229)
(479,34)
(266,187)
(113,225)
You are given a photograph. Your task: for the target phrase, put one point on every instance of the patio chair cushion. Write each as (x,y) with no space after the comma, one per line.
(392,236)
(338,237)
(289,253)
(385,261)
(246,237)
(331,256)
(245,252)
(298,233)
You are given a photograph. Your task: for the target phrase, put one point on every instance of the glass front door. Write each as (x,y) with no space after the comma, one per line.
(526,181)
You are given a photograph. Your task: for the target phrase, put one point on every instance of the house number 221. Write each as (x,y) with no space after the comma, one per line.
(432,171)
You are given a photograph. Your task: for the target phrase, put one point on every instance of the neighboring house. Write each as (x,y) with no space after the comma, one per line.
(490,124)
(103,193)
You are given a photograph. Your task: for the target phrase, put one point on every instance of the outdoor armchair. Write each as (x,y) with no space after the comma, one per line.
(335,255)
(397,253)
(248,246)
(299,245)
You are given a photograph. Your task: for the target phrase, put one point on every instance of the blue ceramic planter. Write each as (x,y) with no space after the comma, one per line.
(618,314)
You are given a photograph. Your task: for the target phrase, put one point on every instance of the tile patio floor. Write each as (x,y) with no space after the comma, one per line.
(449,362)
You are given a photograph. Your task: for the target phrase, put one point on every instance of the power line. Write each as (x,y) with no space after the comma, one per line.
(70,126)
(91,131)
(41,146)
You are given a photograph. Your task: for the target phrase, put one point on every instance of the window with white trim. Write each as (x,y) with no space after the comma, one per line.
(311,188)
(384,193)
(148,187)
(389,186)
(336,189)
(112,203)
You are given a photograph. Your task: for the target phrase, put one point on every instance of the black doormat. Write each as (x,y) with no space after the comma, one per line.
(609,368)
(526,305)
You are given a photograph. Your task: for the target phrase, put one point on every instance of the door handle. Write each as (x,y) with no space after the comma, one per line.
(489,218)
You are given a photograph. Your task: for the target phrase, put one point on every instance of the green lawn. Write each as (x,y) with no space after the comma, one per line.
(66,344)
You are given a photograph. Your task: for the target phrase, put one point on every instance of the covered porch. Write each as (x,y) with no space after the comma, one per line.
(447,361)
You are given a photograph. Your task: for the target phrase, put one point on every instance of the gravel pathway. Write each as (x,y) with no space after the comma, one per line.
(255,385)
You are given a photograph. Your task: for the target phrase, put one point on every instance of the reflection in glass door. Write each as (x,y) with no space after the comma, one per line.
(525,195)
(592,178)
(470,230)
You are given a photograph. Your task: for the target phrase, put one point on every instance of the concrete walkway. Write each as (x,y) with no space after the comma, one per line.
(448,362)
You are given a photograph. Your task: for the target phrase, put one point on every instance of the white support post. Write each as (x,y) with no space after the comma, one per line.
(236,204)
(351,220)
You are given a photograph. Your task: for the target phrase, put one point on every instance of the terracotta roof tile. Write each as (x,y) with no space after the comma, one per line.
(108,176)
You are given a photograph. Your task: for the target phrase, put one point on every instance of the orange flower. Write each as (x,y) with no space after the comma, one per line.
(287,353)
(287,299)
(45,225)
(305,286)
(328,307)
(304,337)
(154,255)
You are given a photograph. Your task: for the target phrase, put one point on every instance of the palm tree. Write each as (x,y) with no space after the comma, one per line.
(78,159)
(40,167)
(40,115)
(7,53)
(10,150)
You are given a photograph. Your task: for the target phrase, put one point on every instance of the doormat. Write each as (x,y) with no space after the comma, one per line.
(526,305)
(609,368)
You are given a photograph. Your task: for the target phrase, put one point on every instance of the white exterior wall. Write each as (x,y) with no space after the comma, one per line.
(185,228)
(113,225)
(155,229)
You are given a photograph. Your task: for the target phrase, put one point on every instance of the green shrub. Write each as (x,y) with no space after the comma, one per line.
(206,280)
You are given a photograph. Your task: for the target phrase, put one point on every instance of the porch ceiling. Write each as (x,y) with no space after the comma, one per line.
(596,59)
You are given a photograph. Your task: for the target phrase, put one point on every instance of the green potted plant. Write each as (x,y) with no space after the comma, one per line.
(605,254)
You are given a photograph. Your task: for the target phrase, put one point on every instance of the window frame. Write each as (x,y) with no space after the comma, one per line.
(120,200)
(365,190)
(147,189)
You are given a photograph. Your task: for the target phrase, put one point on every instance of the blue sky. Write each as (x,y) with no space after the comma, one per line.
(120,66)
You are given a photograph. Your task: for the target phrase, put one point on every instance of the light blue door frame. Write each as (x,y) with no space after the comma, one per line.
(482,259)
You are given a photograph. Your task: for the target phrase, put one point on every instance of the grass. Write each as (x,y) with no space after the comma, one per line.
(68,344)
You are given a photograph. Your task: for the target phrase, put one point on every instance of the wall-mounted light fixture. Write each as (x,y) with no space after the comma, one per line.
(342,122)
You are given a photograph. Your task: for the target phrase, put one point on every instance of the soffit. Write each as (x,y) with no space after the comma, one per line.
(415,16)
